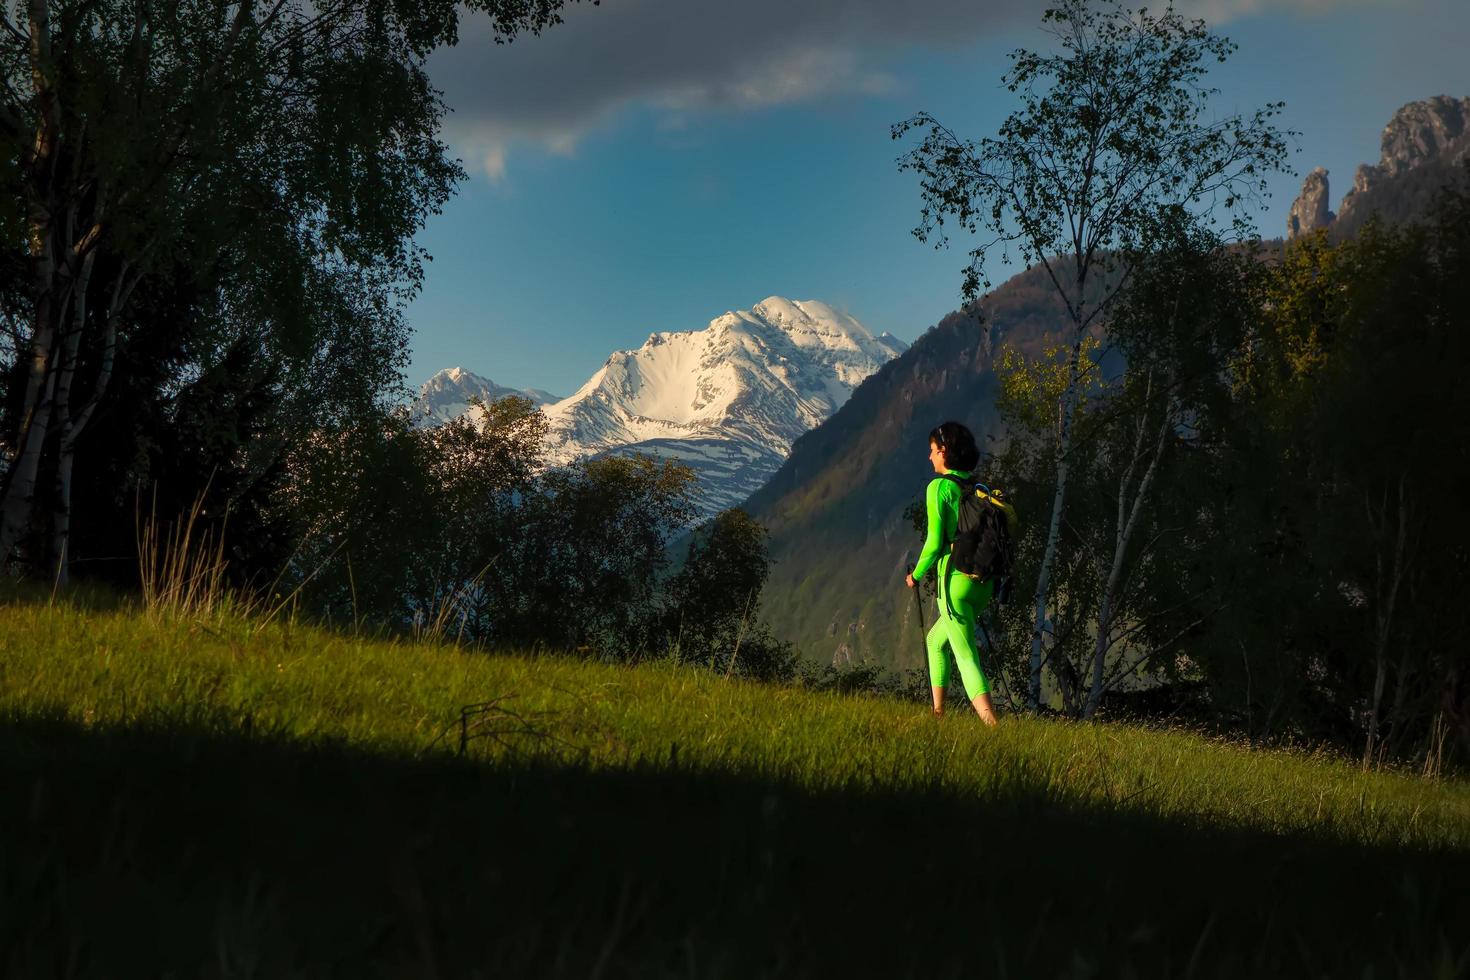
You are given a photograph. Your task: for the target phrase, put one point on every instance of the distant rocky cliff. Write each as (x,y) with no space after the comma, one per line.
(1310,211)
(1425,147)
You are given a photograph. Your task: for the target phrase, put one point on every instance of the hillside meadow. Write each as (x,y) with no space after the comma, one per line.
(229,796)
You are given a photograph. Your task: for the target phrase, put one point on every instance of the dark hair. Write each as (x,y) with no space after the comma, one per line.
(957,444)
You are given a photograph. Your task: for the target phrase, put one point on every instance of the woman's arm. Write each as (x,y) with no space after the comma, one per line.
(934,540)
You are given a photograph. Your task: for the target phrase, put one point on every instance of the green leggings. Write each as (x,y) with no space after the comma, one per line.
(968,598)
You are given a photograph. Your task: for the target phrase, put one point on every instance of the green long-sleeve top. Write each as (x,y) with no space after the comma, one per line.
(942,501)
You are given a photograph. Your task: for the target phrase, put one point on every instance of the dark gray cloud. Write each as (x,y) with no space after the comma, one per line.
(691,55)
(682,56)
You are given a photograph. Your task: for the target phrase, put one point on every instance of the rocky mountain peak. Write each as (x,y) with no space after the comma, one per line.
(449,393)
(1422,131)
(1422,147)
(1310,211)
(728,400)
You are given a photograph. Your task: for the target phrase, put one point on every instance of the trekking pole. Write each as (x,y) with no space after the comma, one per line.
(923,630)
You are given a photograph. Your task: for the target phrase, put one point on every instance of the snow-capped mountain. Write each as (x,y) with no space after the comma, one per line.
(447,395)
(728,400)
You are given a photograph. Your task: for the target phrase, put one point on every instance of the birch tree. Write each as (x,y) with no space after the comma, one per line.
(1032,389)
(146,137)
(1113,130)
(1189,306)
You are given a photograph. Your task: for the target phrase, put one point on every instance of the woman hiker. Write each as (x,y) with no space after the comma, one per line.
(952,451)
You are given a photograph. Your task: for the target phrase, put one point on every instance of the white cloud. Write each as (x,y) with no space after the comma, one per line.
(492,160)
(1222,12)
(793,76)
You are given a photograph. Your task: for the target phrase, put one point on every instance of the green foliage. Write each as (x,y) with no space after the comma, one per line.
(213,198)
(1134,464)
(1112,133)
(584,572)
(713,601)
(406,524)
(1031,403)
(1347,430)
(460,531)
(396,519)
(1032,390)
(1301,548)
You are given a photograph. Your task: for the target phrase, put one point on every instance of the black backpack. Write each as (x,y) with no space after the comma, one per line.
(984,543)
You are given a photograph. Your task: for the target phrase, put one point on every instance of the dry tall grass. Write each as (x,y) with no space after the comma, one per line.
(182,565)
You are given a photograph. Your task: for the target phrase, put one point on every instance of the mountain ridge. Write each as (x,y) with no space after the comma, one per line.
(727,400)
(449,392)
(1424,147)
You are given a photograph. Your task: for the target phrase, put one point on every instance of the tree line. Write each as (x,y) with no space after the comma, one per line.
(1265,516)
(461,529)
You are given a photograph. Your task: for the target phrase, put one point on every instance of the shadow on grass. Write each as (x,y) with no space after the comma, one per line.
(184,853)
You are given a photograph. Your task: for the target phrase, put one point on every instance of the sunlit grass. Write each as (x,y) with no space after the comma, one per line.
(221,674)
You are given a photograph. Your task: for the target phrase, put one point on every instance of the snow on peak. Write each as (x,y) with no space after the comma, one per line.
(449,393)
(809,315)
(728,399)
(457,376)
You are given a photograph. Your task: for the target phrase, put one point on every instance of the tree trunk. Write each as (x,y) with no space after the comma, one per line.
(1120,549)
(18,508)
(60,259)
(43,210)
(1395,725)
(1378,680)
(1387,594)
(61,412)
(1053,531)
(42,339)
(73,426)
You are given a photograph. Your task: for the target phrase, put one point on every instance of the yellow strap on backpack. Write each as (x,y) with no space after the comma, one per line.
(996,497)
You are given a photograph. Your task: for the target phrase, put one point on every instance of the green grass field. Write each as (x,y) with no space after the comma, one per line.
(223,798)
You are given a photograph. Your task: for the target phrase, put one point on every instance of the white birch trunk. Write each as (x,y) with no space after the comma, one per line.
(1120,548)
(72,427)
(18,506)
(1053,531)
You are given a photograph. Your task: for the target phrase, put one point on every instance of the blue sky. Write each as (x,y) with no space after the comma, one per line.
(651,164)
